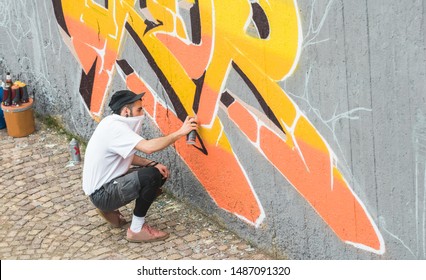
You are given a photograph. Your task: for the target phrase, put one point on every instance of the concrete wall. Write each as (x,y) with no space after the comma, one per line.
(313,144)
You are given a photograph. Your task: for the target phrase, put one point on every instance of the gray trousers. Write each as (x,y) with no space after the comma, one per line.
(139,183)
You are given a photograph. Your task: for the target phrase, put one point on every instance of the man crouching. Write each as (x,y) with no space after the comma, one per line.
(108,178)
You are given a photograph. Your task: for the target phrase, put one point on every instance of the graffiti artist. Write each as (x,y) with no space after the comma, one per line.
(113,175)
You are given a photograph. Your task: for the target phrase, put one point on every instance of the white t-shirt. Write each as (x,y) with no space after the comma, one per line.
(110,150)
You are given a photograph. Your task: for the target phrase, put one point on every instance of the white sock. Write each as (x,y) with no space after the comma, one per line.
(137,223)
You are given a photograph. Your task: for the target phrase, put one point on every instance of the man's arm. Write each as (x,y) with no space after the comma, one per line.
(140,161)
(157,144)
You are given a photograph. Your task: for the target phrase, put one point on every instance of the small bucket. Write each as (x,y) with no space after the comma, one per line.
(19,119)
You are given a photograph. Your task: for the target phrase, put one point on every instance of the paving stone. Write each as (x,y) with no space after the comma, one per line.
(174,257)
(186,253)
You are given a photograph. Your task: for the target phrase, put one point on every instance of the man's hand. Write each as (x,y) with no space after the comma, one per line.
(188,125)
(163,170)
(157,144)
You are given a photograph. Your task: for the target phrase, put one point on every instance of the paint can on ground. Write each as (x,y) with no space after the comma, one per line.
(75,151)
(19,119)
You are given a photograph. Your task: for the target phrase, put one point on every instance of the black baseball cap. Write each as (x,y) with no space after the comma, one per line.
(123,97)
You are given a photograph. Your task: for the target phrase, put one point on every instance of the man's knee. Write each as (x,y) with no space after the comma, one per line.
(150,177)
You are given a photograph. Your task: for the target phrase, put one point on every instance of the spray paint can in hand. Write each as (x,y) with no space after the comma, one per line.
(74,151)
(190,137)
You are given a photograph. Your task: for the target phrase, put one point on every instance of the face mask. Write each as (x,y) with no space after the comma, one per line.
(135,123)
(139,118)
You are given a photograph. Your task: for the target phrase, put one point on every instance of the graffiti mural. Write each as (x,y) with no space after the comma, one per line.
(261,42)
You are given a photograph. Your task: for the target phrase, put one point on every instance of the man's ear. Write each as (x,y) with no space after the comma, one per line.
(124,112)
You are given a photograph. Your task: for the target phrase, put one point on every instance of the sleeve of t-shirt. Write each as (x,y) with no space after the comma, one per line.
(123,140)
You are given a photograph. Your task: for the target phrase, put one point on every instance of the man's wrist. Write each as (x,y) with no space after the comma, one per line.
(151,164)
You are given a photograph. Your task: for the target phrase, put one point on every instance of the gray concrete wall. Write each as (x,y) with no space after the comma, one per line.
(339,89)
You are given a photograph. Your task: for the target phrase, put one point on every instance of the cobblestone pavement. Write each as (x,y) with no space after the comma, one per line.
(45,214)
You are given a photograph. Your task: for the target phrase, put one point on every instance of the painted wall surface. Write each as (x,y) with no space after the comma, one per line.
(313,113)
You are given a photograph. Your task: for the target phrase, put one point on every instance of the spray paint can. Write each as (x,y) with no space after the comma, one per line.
(6,95)
(9,79)
(74,151)
(16,95)
(190,137)
(24,93)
